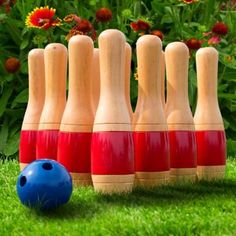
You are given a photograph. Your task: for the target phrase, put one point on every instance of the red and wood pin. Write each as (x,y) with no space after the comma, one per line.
(55,56)
(152,163)
(112,142)
(210,135)
(74,139)
(28,137)
(179,117)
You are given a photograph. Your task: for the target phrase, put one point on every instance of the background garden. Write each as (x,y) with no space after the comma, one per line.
(198,23)
(201,208)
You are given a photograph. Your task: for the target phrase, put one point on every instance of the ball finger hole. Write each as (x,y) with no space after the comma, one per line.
(47,166)
(22,181)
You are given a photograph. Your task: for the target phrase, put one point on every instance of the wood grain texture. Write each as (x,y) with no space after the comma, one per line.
(163,74)
(78,114)
(149,112)
(151,179)
(128,54)
(109,184)
(207,115)
(81,179)
(55,56)
(177,107)
(183,174)
(36,90)
(211,172)
(95,80)
(112,108)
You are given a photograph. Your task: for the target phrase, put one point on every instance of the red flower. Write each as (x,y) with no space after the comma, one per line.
(42,18)
(8,4)
(193,43)
(158,33)
(12,65)
(84,26)
(103,15)
(140,25)
(214,40)
(220,28)
(134,26)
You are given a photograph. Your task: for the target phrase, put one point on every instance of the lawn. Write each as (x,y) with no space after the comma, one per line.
(200,209)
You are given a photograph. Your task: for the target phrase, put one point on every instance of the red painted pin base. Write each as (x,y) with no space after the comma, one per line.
(74,152)
(152,161)
(46,147)
(112,162)
(183,155)
(211,154)
(27,147)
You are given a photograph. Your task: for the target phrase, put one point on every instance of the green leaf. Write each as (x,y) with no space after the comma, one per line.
(4,99)
(3,135)
(24,68)
(24,44)
(231,144)
(166,19)
(12,145)
(227,95)
(226,123)
(22,97)
(222,87)
(227,60)
(3,17)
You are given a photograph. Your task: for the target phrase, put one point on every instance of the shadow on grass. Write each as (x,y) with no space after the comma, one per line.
(174,194)
(165,196)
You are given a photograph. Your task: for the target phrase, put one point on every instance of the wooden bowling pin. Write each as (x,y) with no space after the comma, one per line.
(112,143)
(179,117)
(55,56)
(95,80)
(128,53)
(74,141)
(28,137)
(151,142)
(210,135)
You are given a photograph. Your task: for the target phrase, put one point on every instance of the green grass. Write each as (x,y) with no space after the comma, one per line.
(191,209)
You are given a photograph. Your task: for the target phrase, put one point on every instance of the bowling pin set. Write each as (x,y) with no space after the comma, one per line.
(94,132)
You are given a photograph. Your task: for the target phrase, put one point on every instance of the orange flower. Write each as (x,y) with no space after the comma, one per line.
(189,1)
(72,33)
(220,28)
(42,18)
(72,17)
(193,43)
(103,15)
(229,58)
(158,33)
(12,65)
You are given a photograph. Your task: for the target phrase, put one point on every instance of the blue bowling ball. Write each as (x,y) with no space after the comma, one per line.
(44,184)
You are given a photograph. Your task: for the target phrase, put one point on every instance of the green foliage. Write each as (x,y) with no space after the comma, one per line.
(188,209)
(177,20)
